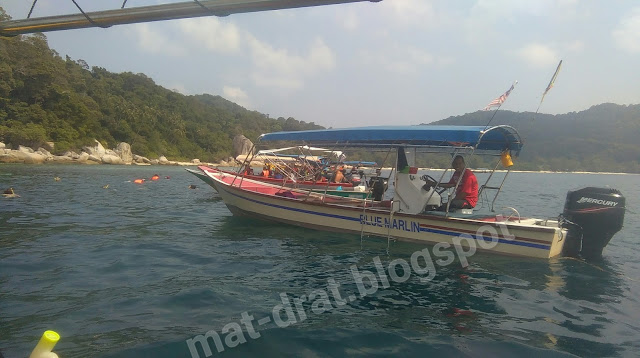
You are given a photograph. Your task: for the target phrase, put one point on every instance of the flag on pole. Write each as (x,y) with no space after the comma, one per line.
(553,80)
(500,100)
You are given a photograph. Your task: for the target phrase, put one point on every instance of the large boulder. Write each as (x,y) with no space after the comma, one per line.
(9,157)
(163,160)
(124,151)
(71,154)
(93,158)
(28,158)
(141,159)
(111,159)
(24,149)
(97,150)
(84,156)
(241,145)
(61,159)
(44,152)
(49,146)
(2,145)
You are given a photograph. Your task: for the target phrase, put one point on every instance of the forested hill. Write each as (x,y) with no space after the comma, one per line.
(44,97)
(603,138)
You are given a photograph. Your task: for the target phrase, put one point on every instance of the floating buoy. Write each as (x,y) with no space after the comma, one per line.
(167,177)
(139,181)
(192,186)
(56,178)
(106,186)
(45,346)
(155,177)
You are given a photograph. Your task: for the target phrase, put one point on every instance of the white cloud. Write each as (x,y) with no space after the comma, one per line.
(235,94)
(575,46)
(537,55)
(407,60)
(211,33)
(279,68)
(487,20)
(349,20)
(266,80)
(154,41)
(510,8)
(627,34)
(419,56)
(443,61)
(410,11)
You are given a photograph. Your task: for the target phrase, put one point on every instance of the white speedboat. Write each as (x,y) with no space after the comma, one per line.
(591,215)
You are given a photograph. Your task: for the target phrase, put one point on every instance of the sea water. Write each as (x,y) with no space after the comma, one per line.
(121,269)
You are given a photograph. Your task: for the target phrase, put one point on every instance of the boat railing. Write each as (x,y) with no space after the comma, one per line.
(514,212)
(497,188)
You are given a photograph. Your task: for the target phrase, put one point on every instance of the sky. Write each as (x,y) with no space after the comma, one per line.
(394,62)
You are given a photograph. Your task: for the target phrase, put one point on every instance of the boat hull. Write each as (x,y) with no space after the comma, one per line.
(347,192)
(509,238)
(202,176)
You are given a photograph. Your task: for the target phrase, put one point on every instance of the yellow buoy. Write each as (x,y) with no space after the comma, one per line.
(45,346)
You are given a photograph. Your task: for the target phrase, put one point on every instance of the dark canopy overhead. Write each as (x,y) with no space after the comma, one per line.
(496,138)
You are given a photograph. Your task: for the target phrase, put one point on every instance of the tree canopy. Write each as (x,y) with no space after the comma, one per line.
(44,97)
(603,138)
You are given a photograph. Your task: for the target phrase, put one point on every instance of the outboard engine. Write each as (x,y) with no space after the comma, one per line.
(593,216)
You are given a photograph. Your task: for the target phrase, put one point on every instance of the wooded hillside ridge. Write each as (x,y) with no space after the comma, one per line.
(45,98)
(603,138)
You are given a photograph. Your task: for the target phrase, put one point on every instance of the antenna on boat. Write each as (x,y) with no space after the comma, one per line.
(551,83)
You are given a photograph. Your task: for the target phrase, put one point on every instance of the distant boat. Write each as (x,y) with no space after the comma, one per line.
(337,189)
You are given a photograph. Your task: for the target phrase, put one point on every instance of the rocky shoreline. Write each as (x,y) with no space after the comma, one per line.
(97,154)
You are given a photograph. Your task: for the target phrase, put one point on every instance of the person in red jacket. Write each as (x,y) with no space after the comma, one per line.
(467,192)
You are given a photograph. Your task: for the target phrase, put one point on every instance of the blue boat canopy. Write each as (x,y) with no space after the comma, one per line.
(498,138)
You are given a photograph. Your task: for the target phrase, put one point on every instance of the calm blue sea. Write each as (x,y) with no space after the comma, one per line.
(136,270)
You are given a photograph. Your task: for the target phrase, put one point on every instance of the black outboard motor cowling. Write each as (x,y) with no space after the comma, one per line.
(594,215)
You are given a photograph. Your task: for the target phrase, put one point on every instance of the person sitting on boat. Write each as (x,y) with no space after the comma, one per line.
(339,176)
(248,170)
(266,172)
(467,192)
(320,178)
(354,176)
(378,185)
(278,174)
